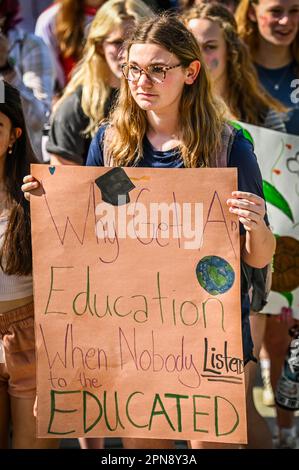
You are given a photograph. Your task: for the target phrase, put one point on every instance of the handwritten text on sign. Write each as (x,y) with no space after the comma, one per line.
(137,301)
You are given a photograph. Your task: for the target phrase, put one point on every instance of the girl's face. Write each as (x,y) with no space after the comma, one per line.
(164,95)
(6,135)
(112,47)
(277,20)
(211,40)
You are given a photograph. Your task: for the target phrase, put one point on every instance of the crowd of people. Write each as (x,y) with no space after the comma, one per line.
(158,84)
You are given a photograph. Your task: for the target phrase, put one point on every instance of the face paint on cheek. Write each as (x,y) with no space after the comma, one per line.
(213,64)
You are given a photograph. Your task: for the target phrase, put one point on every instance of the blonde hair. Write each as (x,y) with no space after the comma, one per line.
(249,32)
(246,98)
(200,113)
(92,72)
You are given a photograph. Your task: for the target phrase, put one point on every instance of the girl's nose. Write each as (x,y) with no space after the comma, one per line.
(144,79)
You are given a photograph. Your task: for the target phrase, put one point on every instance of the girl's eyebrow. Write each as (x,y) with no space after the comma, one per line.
(151,63)
(210,40)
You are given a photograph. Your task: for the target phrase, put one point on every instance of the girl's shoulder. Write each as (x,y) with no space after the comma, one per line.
(242,150)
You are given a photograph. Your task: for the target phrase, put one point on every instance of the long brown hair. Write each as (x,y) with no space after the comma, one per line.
(200,113)
(246,98)
(9,9)
(92,71)
(249,32)
(184,4)
(15,254)
(69,28)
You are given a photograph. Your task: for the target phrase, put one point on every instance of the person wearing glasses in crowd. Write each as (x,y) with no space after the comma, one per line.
(270,28)
(167,117)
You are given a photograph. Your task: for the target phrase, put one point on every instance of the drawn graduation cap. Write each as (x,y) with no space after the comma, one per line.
(115,186)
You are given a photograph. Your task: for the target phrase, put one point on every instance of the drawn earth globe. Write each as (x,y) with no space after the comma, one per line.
(215,275)
(285,277)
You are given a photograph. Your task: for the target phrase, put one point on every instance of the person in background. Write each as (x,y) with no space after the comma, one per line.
(17,345)
(231,5)
(63,28)
(25,64)
(270,28)
(89,95)
(235,80)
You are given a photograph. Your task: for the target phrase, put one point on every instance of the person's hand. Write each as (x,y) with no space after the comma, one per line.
(4,49)
(249,208)
(30,183)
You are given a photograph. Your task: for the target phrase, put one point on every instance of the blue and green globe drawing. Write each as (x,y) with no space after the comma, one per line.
(215,275)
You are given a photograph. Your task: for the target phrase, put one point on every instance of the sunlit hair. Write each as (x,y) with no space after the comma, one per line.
(15,253)
(92,72)
(246,98)
(200,113)
(184,4)
(249,32)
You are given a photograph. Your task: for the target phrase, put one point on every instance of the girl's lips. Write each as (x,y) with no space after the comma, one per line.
(145,94)
(284,33)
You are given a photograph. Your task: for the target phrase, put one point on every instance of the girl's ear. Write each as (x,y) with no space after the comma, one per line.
(252,13)
(15,135)
(192,72)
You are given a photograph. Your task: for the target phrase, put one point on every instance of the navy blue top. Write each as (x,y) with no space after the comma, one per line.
(279,84)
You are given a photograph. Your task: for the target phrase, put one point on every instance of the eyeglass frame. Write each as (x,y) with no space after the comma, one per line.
(142,70)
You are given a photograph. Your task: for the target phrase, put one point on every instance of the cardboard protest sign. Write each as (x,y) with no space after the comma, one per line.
(278,157)
(137,303)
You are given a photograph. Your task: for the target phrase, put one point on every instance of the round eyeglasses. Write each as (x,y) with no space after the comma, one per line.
(155,73)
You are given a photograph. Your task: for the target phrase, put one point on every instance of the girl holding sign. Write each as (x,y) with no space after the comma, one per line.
(17,348)
(167,117)
(270,28)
